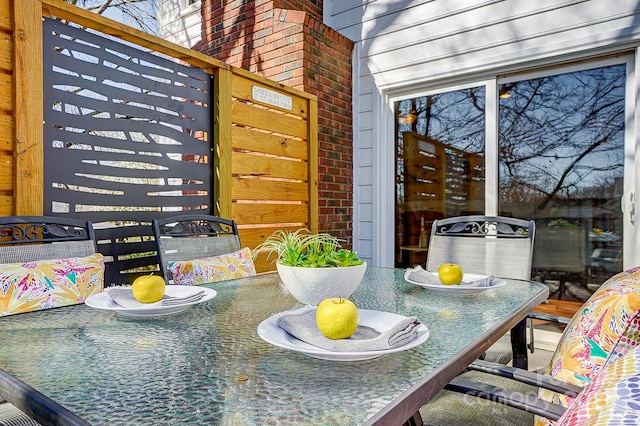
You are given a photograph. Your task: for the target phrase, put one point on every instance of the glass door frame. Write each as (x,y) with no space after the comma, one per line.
(629,203)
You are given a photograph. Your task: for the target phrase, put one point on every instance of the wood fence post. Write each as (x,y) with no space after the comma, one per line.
(222,144)
(28,107)
(313,165)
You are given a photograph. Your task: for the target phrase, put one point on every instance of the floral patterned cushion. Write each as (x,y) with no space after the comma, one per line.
(613,397)
(238,264)
(33,286)
(606,327)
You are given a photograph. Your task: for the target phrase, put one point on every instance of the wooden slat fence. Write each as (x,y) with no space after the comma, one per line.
(273,162)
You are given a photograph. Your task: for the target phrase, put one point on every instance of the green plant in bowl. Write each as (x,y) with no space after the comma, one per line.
(303,249)
(313,267)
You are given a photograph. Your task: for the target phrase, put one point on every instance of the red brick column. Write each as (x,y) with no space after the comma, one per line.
(286,41)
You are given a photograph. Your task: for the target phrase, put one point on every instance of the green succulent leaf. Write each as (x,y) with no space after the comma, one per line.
(301,248)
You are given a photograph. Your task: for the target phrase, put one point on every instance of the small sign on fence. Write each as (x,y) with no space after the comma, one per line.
(271,97)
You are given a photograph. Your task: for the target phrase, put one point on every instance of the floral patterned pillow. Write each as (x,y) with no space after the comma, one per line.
(613,397)
(238,264)
(33,286)
(606,328)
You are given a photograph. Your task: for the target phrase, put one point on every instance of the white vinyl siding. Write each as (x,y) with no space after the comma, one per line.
(364,160)
(420,45)
(179,21)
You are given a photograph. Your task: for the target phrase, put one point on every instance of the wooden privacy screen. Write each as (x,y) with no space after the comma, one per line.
(273,163)
(128,141)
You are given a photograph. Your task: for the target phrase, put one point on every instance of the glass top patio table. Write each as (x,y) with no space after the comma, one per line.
(208,365)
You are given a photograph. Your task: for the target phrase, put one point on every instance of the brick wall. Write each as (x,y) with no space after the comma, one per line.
(312,7)
(286,41)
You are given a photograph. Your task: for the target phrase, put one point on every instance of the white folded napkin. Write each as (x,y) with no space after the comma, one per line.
(123,296)
(301,324)
(420,275)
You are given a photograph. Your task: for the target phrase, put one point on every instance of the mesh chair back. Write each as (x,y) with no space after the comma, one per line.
(191,237)
(33,238)
(560,250)
(485,245)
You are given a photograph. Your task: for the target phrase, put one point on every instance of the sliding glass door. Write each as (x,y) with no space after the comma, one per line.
(558,138)
(561,162)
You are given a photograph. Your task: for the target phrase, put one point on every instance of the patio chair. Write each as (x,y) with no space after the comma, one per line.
(493,245)
(31,238)
(39,239)
(47,262)
(561,254)
(193,237)
(586,349)
(486,245)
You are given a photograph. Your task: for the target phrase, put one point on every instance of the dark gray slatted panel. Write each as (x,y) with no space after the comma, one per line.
(131,250)
(126,139)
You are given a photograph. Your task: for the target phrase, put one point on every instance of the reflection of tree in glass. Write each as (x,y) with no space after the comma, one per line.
(453,118)
(561,137)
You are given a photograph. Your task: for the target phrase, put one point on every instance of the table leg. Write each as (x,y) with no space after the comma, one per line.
(519,345)
(415,420)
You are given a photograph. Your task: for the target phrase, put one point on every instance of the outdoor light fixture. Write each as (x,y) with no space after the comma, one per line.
(505,91)
(409,118)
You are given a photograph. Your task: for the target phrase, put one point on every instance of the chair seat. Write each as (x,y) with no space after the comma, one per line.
(450,408)
(11,416)
(501,351)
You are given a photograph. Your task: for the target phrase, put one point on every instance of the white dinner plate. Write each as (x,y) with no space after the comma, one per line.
(381,321)
(103,301)
(458,289)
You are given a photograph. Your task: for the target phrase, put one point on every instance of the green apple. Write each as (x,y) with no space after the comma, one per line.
(337,318)
(450,273)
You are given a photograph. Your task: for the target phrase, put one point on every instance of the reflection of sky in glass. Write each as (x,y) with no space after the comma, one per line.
(563,135)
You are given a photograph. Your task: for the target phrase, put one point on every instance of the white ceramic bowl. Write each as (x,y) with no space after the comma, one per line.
(312,285)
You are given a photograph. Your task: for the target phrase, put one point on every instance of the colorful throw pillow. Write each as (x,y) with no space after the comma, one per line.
(33,286)
(606,327)
(238,264)
(613,397)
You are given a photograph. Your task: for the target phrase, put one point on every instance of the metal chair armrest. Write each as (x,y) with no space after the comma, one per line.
(549,317)
(545,317)
(524,376)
